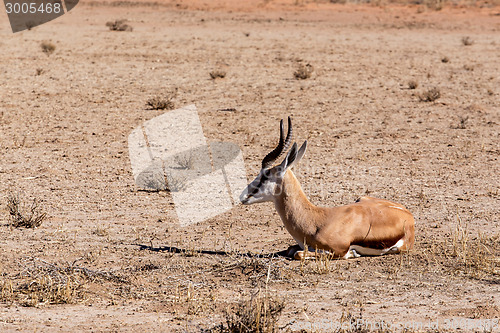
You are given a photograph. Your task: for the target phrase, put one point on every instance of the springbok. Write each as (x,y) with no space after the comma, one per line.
(367,227)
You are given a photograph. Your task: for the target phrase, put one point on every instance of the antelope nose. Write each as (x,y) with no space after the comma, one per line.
(244,197)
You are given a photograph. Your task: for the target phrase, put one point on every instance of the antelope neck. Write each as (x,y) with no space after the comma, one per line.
(296,211)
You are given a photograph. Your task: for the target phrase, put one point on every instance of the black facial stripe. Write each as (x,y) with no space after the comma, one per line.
(263,179)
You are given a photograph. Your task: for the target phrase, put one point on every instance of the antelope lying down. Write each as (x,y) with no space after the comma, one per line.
(368,227)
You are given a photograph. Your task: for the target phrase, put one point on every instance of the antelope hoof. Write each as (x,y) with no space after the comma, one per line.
(292,251)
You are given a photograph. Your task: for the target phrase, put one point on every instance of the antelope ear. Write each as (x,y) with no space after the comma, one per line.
(301,152)
(297,156)
(288,161)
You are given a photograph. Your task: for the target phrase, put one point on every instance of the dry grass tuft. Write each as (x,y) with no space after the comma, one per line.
(258,314)
(43,286)
(160,103)
(164,101)
(185,161)
(119,25)
(176,182)
(46,289)
(324,263)
(463,122)
(45,283)
(430,95)
(467,41)
(412,84)
(48,48)
(100,231)
(22,216)
(303,71)
(477,257)
(469,68)
(217,74)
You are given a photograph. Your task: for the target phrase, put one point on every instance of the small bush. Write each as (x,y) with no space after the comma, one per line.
(303,72)
(430,95)
(467,41)
(119,25)
(160,103)
(45,283)
(217,74)
(259,314)
(469,68)
(30,25)
(412,84)
(48,48)
(445,60)
(20,216)
(185,161)
(462,124)
(477,257)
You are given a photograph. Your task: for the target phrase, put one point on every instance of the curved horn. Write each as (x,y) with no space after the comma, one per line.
(289,136)
(282,145)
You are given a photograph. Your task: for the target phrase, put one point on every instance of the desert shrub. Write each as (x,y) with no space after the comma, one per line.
(165,101)
(160,103)
(468,67)
(45,283)
(23,216)
(217,74)
(47,47)
(258,314)
(30,25)
(467,41)
(477,257)
(412,84)
(462,124)
(430,95)
(119,25)
(303,71)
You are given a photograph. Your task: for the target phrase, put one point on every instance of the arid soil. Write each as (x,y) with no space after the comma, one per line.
(111,258)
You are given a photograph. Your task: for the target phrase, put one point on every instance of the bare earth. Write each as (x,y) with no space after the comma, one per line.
(111,258)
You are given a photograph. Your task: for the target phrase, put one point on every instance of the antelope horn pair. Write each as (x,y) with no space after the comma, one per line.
(282,147)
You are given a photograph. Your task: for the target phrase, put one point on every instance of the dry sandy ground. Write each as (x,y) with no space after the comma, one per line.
(112,258)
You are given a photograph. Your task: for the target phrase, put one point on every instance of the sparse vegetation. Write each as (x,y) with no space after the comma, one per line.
(477,257)
(412,84)
(217,74)
(164,101)
(176,182)
(462,123)
(47,47)
(303,71)
(100,231)
(30,25)
(24,216)
(119,25)
(430,95)
(324,263)
(160,103)
(185,160)
(469,68)
(46,283)
(467,41)
(118,258)
(259,314)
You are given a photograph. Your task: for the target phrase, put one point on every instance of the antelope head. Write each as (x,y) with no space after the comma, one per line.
(268,184)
